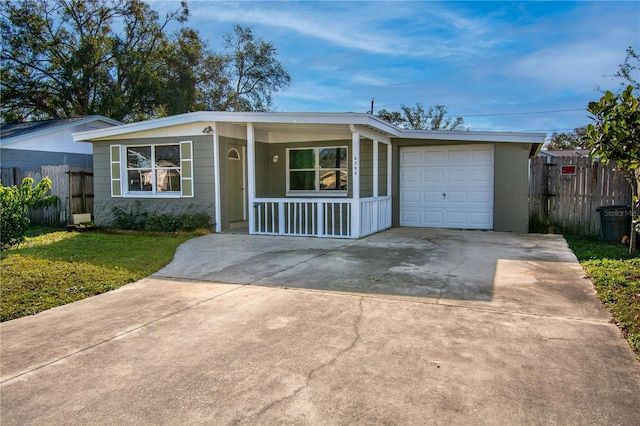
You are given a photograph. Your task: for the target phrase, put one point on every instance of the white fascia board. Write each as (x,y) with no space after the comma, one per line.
(141,126)
(474,136)
(241,117)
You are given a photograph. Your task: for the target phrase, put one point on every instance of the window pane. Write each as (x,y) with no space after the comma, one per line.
(139,157)
(302,159)
(334,180)
(302,181)
(168,156)
(139,180)
(168,180)
(333,158)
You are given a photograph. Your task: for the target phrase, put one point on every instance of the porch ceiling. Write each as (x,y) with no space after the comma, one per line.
(287,132)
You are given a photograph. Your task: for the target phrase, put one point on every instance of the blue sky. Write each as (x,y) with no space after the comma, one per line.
(483,60)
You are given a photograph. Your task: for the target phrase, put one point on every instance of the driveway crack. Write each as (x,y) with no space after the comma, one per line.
(116,336)
(351,346)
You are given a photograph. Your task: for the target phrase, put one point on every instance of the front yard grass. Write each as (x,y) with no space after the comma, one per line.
(55,267)
(616,276)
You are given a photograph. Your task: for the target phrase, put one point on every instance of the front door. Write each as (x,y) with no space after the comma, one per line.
(235,165)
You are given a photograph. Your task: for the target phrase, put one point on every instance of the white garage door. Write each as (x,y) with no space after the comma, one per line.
(447,186)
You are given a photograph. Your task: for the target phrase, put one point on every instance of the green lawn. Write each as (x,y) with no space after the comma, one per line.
(55,267)
(616,276)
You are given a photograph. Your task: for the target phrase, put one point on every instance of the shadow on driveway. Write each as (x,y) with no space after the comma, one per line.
(435,263)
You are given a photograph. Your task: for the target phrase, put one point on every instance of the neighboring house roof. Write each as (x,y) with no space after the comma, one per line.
(565,152)
(14,132)
(272,122)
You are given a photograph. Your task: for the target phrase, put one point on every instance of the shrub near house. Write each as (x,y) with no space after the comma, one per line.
(16,202)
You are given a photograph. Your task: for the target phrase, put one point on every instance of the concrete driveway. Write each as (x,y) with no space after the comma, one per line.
(410,326)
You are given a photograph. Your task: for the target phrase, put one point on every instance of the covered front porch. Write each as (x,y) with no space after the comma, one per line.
(304,179)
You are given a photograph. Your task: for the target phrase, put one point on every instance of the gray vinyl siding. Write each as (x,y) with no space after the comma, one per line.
(271,179)
(382,170)
(203,174)
(366,168)
(511,180)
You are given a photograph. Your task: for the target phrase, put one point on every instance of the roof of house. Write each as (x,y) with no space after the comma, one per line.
(566,152)
(12,132)
(279,120)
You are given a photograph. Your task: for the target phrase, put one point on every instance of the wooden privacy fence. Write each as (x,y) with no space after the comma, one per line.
(564,192)
(73,186)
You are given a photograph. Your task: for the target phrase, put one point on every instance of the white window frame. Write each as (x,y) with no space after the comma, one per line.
(120,172)
(317,192)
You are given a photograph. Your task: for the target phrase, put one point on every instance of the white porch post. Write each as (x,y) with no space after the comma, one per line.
(251,172)
(375,168)
(216,166)
(355,167)
(389,174)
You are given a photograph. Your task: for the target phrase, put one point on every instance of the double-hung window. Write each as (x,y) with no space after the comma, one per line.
(162,170)
(317,170)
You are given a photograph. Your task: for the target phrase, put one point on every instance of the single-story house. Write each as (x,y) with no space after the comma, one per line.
(312,174)
(31,144)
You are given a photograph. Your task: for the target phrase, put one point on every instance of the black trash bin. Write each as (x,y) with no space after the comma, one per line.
(615,222)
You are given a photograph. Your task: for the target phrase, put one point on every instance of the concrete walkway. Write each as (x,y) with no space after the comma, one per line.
(405,327)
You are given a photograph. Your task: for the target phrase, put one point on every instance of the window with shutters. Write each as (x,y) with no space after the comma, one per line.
(160,170)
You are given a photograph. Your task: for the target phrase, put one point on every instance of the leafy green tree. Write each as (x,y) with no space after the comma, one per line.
(433,118)
(615,137)
(117,58)
(251,73)
(573,140)
(15,202)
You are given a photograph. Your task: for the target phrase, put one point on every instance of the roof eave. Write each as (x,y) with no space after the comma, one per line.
(474,136)
(328,118)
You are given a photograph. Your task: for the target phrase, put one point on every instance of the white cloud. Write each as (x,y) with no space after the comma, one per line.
(412,28)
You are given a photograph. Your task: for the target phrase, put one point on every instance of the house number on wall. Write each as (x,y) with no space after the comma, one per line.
(355,166)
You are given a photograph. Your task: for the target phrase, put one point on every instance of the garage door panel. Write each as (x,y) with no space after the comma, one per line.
(481,197)
(410,217)
(456,157)
(433,177)
(482,156)
(434,197)
(457,177)
(456,218)
(433,157)
(457,197)
(411,176)
(409,157)
(481,177)
(410,197)
(433,218)
(464,173)
(480,220)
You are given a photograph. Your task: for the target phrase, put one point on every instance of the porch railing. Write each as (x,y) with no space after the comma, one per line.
(375,215)
(326,217)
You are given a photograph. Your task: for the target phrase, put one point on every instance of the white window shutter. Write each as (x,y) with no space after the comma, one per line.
(116,170)
(186,168)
